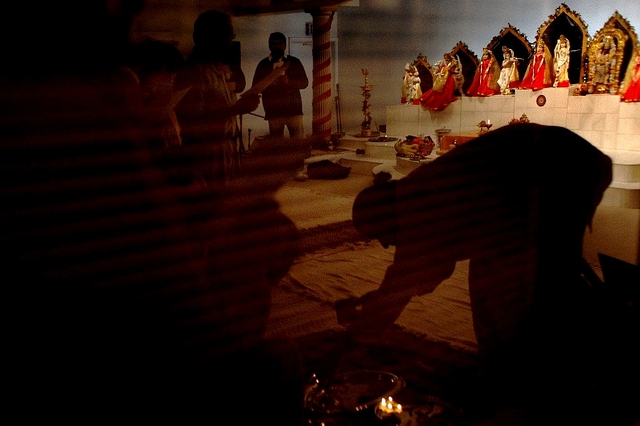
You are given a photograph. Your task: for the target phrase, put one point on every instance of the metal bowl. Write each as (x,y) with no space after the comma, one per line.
(351,392)
(383,139)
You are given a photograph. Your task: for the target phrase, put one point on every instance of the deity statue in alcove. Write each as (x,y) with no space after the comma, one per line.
(485,81)
(630,91)
(604,65)
(509,75)
(561,55)
(411,91)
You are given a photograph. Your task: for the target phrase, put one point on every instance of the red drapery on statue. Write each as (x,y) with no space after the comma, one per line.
(485,82)
(631,84)
(441,95)
(539,73)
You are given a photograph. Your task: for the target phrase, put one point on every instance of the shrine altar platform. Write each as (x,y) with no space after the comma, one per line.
(604,121)
(451,140)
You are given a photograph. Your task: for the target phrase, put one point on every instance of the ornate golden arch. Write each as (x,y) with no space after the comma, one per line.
(617,21)
(514,39)
(615,38)
(566,21)
(469,62)
(425,70)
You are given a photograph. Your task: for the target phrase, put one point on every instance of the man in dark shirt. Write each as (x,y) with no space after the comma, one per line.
(281,99)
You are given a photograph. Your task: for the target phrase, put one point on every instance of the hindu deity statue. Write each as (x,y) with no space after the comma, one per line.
(509,76)
(539,73)
(561,55)
(630,90)
(604,65)
(411,91)
(485,81)
(448,79)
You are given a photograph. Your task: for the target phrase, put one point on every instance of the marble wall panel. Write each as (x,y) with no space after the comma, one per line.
(573,104)
(628,126)
(611,122)
(628,137)
(574,121)
(630,110)
(601,119)
(595,138)
(449,118)
(468,104)
(428,129)
(597,121)
(609,140)
(628,142)
(401,129)
(405,113)
(579,104)
(470,119)
(500,119)
(628,163)
(546,116)
(609,104)
(469,122)
(402,120)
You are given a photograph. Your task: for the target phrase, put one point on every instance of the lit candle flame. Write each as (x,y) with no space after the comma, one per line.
(387,405)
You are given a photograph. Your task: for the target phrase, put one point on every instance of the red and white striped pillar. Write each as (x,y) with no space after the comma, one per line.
(321,124)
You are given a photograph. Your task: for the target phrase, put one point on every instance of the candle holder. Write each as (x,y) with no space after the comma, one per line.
(389,411)
(523,119)
(440,133)
(366,93)
(424,410)
(484,126)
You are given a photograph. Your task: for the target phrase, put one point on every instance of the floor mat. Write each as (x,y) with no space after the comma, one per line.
(303,302)
(309,208)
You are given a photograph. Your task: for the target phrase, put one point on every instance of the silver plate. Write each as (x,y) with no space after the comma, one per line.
(350,392)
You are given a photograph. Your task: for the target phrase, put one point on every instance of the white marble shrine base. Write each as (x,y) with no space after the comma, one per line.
(607,123)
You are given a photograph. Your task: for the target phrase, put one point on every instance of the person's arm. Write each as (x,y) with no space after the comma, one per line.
(192,108)
(296,74)
(263,69)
